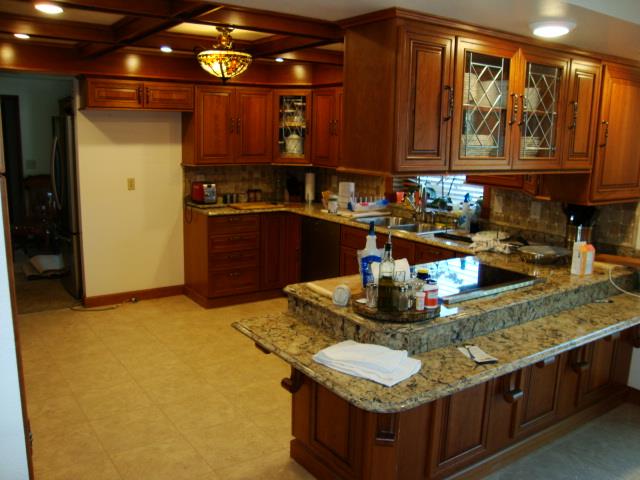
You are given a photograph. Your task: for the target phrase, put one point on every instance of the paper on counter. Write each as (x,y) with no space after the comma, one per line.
(401,265)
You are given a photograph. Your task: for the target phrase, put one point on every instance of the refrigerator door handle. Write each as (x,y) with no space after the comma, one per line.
(54,188)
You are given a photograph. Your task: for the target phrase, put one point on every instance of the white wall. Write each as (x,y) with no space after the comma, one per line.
(39,95)
(13,453)
(132,240)
(634,373)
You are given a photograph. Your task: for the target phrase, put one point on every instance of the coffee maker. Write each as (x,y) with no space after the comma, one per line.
(580,222)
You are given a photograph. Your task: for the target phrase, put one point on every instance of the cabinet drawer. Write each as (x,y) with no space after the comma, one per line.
(233,223)
(234,242)
(231,260)
(232,281)
(426,254)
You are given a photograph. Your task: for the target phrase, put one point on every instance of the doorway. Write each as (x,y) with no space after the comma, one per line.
(30,107)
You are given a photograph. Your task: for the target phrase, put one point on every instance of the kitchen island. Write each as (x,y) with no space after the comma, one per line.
(562,362)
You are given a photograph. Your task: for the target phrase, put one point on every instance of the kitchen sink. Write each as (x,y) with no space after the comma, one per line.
(400,223)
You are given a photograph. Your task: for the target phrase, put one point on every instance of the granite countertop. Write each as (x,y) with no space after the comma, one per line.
(444,370)
(316,211)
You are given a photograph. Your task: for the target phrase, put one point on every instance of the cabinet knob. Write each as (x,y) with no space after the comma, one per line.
(606,133)
(449,90)
(514,108)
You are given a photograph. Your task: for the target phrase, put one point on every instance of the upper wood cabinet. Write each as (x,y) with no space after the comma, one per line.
(616,169)
(229,125)
(581,121)
(292,121)
(125,94)
(326,126)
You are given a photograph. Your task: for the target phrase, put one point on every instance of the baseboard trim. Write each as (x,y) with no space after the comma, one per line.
(114,298)
(206,302)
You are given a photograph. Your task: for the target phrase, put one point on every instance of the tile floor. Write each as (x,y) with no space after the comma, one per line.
(164,389)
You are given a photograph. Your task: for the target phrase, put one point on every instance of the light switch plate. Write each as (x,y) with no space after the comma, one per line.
(131,183)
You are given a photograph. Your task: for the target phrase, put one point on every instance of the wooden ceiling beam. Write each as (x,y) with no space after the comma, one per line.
(276,23)
(281,44)
(56,29)
(185,43)
(144,8)
(315,55)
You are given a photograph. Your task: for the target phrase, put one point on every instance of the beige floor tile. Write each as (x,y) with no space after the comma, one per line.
(260,397)
(201,412)
(171,460)
(176,388)
(113,399)
(94,373)
(42,386)
(71,452)
(156,363)
(277,423)
(133,429)
(273,466)
(227,444)
(52,413)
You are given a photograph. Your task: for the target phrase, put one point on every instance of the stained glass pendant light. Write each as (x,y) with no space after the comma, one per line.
(223,61)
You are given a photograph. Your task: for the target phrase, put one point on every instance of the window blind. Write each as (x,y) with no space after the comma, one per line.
(441,184)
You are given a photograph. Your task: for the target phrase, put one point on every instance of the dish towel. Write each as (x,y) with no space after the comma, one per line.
(373,362)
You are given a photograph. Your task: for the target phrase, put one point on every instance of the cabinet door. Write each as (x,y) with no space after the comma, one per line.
(616,172)
(215,123)
(292,248)
(581,122)
(292,108)
(348,261)
(338,125)
(427,253)
(537,142)
(424,102)
(598,377)
(112,94)
(168,96)
(504,181)
(324,127)
(272,237)
(253,127)
(484,106)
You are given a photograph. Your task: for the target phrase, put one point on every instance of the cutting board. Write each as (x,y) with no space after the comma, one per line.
(254,205)
(354,282)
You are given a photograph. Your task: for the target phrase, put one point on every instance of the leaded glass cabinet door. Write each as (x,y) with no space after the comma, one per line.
(484,103)
(541,113)
(292,122)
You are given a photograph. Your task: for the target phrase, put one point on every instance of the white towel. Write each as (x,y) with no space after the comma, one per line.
(401,265)
(373,362)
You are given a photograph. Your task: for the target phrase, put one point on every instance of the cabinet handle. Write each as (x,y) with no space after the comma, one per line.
(335,127)
(635,337)
(230,125)
(522,112)
(512,392)
(514,108)
(139,94)
(237,237)
(580,364)
(606,133)
(238,125)
(146,95)
(234,274)
(293,383)
(574,118)
(449,90)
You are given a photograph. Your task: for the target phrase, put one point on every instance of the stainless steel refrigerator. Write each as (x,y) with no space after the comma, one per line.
(64,185)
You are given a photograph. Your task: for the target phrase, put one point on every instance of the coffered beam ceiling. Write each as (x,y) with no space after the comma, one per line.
(144,24)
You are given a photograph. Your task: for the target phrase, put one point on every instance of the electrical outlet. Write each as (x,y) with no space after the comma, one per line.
(131,183)
(536,209)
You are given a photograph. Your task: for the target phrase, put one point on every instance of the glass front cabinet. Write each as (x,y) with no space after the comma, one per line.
(293,127)
(507,108)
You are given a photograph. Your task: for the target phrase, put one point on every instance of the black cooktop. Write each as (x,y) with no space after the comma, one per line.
(466,278)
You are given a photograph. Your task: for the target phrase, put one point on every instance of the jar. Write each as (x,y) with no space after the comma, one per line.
(332,205)
(423,273)
(420,301)
(431,291)
(404,300)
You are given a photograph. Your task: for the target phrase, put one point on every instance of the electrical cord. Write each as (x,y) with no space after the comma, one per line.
(619,287)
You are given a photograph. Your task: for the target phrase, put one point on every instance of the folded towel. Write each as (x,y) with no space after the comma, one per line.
(373,362)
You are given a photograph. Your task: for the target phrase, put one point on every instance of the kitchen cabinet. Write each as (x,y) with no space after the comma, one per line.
(229,125)
(463,435)
(581,122)
(615,176)
(279,250)
(125,94)
(427,253)
(320,249)
(292,110)
(236,258)
(326,126)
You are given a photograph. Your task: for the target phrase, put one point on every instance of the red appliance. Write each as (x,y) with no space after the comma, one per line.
(203,192)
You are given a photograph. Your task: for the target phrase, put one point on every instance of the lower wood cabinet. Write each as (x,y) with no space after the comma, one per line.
(463,434)
(244,257)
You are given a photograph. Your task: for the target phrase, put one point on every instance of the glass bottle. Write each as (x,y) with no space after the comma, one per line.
(385,281)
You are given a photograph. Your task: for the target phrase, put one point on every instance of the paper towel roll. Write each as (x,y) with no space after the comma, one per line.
(346,189)
(309,187)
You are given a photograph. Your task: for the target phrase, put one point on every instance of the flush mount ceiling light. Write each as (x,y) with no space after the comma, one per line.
(279,59)
(48,8)
(552,28)
(223,61)
(22,36)
(166,49)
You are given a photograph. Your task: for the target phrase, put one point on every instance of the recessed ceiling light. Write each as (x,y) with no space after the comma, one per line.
(552,28)
(279,59)
(21,36)
(48,8)
(166,49)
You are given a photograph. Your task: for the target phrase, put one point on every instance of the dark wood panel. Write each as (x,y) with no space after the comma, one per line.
(274,257)
(234,223)
(225,260)
(214,124)
(253,126)
(503,181)
(168,96)
(348,261)
(427,253)
(234,242)
(323,143)
(292,248)
(118,94)
(402,248)
(196,251)
(233,281)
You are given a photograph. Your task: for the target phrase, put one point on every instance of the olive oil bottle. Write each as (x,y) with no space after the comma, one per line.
(385,280)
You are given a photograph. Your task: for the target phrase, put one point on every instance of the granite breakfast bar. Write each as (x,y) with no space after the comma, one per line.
(563,355)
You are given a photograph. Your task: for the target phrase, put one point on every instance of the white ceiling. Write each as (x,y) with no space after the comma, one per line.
(607,26)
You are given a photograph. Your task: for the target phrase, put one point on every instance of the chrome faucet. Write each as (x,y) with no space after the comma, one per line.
(419,210)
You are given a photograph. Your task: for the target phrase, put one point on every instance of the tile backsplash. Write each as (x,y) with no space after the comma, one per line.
(272,180)
(614,231)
